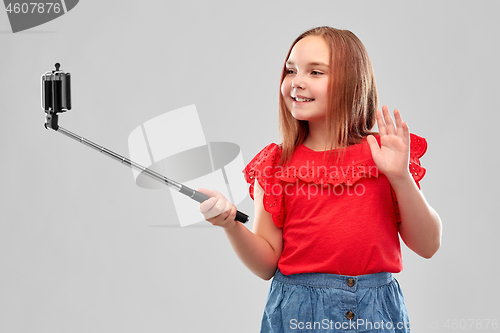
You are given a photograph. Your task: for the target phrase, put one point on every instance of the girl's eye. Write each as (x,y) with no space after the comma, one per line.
(290,71)
(316,73)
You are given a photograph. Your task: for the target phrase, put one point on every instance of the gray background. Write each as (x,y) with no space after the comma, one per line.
(83,249)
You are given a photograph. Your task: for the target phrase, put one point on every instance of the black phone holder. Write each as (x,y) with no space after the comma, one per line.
(56,95)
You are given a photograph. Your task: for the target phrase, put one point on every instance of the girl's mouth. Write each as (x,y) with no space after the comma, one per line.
(302,99)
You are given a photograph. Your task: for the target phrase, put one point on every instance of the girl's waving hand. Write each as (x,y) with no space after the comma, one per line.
(392,157)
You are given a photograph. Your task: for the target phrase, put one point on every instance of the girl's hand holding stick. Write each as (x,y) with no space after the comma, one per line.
(218,210)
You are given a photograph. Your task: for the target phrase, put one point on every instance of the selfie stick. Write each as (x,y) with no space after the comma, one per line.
(56,98)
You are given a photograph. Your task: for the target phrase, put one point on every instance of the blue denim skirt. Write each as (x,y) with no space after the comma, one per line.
(321,302)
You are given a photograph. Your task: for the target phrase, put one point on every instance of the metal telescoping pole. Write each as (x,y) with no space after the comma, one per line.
(193,194)
(122,159)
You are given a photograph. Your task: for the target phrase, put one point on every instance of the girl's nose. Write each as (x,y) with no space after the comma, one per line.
(297,82)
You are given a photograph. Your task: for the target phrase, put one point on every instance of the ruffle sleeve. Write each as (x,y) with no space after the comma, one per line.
(263,168)
(418,147)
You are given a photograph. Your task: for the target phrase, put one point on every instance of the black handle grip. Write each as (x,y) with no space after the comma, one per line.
(200,197)
(242,217)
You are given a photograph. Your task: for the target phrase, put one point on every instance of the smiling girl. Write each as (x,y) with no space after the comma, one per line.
(332,199)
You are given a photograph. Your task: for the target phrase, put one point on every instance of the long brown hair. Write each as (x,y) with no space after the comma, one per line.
(352,95)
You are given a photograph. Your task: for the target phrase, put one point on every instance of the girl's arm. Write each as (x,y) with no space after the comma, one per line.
(259,250)
(420,226)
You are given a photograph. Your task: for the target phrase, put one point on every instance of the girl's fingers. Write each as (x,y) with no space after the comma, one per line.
(390,128)
(223,219)
(402,131)
(399,122)
(215,205)
(221,206)
(206,205)
(373,144)
(210,193)
(380,123)
(387,126)
(406,134)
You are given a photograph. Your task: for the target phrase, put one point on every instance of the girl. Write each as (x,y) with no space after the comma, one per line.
(326,227)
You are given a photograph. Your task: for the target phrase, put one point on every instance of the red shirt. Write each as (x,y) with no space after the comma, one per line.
(339,218)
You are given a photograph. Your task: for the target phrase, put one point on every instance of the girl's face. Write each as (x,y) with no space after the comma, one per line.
(305,87)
